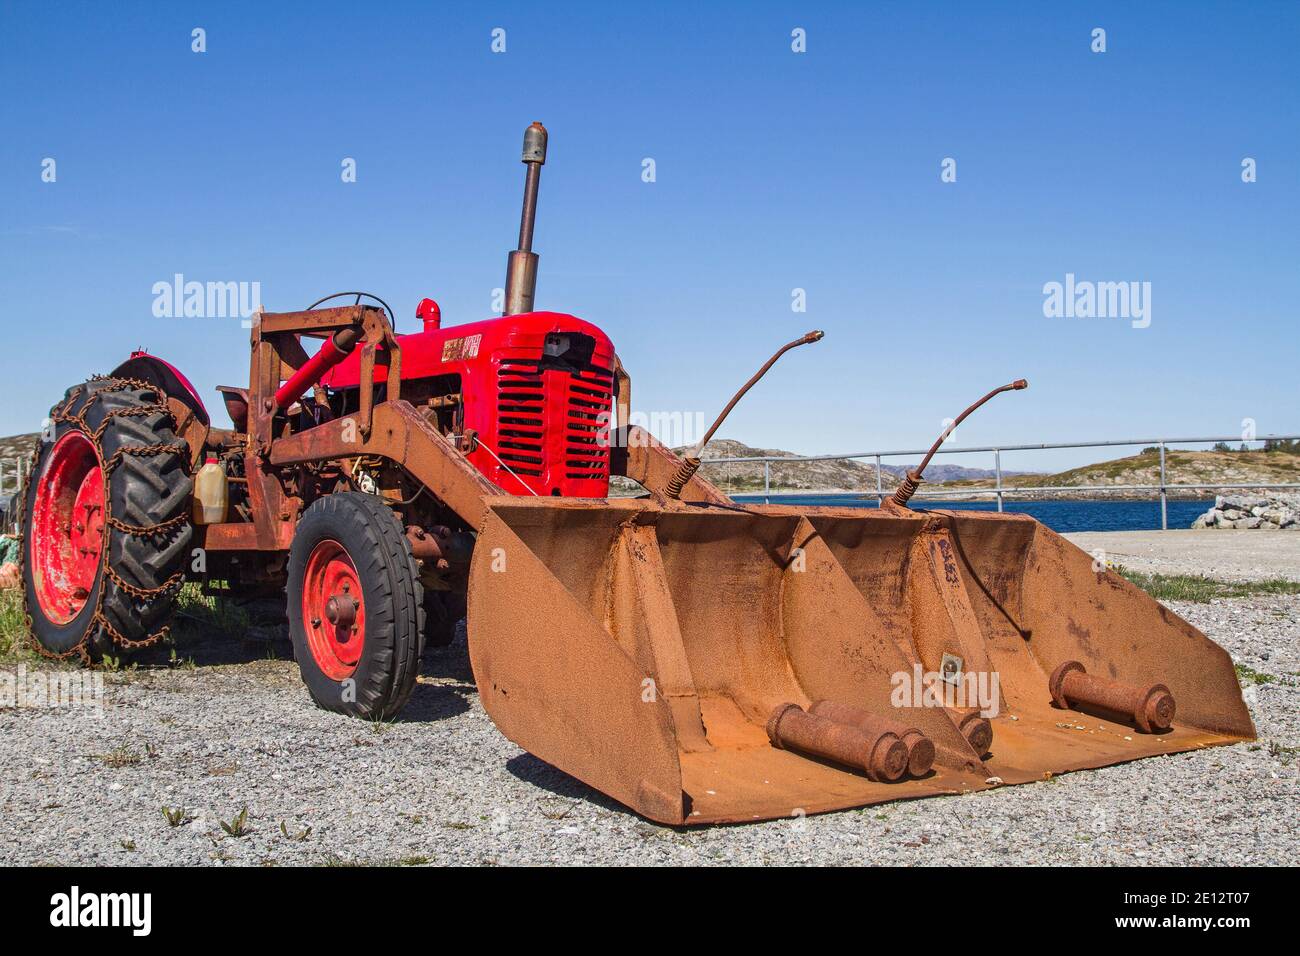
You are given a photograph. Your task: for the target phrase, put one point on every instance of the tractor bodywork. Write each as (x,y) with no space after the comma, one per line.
(679,650)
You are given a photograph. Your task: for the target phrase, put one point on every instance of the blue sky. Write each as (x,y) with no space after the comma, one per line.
(775,171)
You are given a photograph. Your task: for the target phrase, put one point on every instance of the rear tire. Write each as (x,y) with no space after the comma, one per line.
(355,606)
(134,552)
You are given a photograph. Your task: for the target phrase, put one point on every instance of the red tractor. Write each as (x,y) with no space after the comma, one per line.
(696,658)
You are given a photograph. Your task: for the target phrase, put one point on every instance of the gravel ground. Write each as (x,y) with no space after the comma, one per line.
(442,786)
(1227,555)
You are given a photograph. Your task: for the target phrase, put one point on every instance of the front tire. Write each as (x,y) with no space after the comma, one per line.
(355,606)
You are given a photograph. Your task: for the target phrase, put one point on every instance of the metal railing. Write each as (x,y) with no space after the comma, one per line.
(13,474)
(13,470)
(1001,492)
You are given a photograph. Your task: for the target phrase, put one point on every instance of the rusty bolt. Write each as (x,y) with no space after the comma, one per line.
(883,757)
(978,732)
(920,749)
(1150,707)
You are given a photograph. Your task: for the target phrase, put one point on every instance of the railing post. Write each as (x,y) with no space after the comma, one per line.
(1164,496)
(997,471)
(880,491)
(767,482)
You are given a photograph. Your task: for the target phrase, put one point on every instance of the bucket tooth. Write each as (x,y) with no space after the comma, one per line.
(879,753)
(920,748)
(1151,708)
(845,648)
(555,681)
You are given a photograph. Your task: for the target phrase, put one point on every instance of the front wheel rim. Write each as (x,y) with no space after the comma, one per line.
(333,610)
(67,528)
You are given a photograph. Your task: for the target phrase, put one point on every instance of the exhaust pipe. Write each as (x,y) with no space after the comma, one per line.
(521,267)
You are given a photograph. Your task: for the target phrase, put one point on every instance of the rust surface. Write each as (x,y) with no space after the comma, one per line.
(640,456)
(878,753)
(643,646)
(1151,708)
(920,748)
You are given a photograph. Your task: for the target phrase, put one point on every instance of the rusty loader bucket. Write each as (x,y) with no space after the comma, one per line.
(720,663)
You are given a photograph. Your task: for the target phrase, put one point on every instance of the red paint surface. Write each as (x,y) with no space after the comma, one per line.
(548,422)
(331,573)
(67,528)
(326,358)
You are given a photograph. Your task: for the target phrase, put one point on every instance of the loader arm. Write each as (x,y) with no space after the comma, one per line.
(640,456)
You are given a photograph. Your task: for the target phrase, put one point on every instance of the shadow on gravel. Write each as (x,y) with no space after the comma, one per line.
(214,632)
(539,773)
(447,686)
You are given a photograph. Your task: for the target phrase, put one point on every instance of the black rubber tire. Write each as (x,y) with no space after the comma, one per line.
(143,490)
(394,629)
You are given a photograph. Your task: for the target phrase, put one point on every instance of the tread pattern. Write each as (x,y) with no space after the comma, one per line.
(149,488)
(390,661)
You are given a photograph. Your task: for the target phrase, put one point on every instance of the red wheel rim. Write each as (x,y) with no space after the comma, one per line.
(333,610)
(67,529)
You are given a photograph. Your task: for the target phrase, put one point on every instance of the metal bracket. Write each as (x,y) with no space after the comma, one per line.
(950,669)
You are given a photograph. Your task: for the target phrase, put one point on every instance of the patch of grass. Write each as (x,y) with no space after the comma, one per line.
(298,837)
(1201,590)
(176,816)
(414,861)
(199,614)
(121,756)
(238,827)
(1286,754)
(14,644)
(1248,673)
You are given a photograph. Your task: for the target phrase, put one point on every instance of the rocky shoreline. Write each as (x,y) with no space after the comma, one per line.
(1253,512)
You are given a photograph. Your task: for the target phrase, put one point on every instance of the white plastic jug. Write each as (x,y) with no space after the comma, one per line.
(211,493)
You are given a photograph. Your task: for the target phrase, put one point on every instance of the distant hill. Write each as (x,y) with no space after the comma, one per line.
(18,446)
(841,475)
(1181,467)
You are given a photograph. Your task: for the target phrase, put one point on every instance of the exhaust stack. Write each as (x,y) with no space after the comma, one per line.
(521,267)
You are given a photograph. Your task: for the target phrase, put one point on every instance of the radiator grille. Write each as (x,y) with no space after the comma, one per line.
(531,399)
(586,429)
(521,407)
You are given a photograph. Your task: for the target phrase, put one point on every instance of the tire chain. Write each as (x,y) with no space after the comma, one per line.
(61,416)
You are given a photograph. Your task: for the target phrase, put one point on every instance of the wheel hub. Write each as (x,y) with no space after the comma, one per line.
(333,610)
(341,611)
